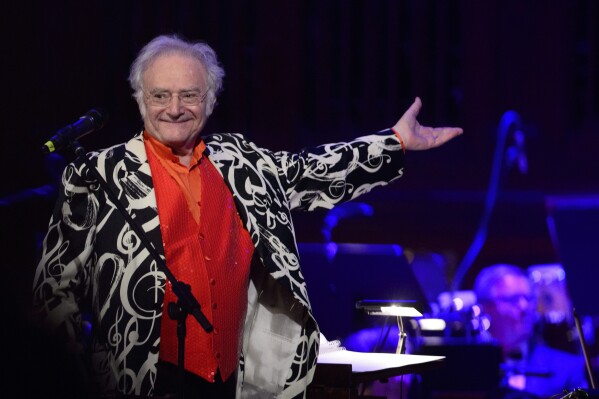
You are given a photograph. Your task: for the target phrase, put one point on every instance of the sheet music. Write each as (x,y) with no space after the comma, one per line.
(327,346)
(331,352)
(366,362)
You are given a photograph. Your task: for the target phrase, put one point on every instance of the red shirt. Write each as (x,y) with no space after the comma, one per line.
(206,246)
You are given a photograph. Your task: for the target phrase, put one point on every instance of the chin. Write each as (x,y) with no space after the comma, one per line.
(177,135)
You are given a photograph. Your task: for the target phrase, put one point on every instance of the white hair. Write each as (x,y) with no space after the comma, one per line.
(162,45)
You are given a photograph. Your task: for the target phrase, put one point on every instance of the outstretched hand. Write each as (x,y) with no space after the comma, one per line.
(418,137)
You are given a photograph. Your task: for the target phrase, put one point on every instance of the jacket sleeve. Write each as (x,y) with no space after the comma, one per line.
(62,275)
(329,174)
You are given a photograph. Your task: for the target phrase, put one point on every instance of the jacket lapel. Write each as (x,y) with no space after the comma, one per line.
(136,185)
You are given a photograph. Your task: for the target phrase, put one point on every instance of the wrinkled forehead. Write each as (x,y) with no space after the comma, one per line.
(174,68)
(509,285)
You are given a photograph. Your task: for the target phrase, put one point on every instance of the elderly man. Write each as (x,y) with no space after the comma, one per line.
(505,295)
(217,208)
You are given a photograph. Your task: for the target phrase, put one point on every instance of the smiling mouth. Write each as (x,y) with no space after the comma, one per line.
(176,121)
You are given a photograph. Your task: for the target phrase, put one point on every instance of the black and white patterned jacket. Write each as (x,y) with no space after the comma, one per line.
(93,263)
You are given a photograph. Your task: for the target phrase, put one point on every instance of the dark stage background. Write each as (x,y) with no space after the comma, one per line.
(301,73)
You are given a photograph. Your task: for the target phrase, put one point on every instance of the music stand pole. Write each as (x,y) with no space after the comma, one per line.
(584,348)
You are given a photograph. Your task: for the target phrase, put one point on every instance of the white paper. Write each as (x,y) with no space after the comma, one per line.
(365,362)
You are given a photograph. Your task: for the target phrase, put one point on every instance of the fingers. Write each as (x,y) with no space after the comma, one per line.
(443,135)
(415,107)
(418,137)
(429,137)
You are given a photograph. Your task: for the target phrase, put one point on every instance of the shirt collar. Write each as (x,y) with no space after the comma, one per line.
(166,153)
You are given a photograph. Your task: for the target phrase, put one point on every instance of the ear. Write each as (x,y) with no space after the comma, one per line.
(210,104)
(142,107)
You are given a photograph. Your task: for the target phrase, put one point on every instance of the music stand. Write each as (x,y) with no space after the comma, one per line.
(398,309)
(338,275)
(585,350)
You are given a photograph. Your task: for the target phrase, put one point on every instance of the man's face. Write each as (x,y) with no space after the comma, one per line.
(511,311)
(176,125)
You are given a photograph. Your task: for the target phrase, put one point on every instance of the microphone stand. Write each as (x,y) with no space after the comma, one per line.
(186,304)
(508,119)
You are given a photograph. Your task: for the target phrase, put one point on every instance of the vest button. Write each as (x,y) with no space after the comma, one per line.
(217,354)
(202,236)
(212,281)
(214,306)
(207,258)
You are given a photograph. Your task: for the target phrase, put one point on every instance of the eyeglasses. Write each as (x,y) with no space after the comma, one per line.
(514,299)
(187,97)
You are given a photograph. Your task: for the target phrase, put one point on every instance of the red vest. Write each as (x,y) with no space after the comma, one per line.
(214,258)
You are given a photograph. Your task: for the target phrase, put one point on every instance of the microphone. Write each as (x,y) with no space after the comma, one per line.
(93,120)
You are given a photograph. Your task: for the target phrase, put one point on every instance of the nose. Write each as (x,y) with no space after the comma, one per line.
(523,302)
(175,108)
